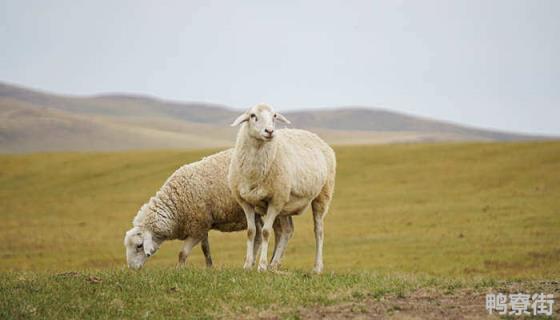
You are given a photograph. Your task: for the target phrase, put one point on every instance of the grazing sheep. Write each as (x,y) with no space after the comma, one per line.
(279,172)
(194,200)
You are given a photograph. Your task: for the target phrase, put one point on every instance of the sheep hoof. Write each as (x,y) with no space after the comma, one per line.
(274,266)
(281,272)
(318,270)
(262,268)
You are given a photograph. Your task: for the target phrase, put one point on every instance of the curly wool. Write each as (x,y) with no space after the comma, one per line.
(194,200)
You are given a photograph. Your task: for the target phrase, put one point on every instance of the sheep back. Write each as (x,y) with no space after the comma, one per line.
(195,199)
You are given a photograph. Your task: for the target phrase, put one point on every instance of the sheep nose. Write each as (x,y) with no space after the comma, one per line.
(269,131)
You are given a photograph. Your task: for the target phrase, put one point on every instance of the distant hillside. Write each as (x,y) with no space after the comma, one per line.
(32,121)
(24,128)
(367,119)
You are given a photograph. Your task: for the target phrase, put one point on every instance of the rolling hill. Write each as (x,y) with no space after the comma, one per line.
(32,121)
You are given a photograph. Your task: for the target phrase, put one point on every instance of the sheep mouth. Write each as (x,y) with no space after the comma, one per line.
(268,137)
(135,267)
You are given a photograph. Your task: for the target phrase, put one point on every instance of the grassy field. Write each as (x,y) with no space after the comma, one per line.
(474,214)
(163,293)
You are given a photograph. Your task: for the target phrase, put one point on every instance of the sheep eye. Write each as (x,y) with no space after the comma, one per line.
(275,115)
(254,116)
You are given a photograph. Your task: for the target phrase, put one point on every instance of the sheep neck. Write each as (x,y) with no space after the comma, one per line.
(157,218)
(255,156)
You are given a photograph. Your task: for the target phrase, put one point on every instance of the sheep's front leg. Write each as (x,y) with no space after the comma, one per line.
(190,242)
(271,214)
(251,232)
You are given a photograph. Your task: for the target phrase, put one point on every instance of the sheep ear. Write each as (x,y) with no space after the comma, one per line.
(149,247)
(282,118)
(242,118)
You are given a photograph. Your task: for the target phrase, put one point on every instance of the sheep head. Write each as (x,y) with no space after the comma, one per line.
(139,247)
(261,121)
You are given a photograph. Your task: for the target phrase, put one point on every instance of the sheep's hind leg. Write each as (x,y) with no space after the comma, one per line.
(320,206)
(258,234)
(205,244)
(190,242)
(286,230)
(277,226)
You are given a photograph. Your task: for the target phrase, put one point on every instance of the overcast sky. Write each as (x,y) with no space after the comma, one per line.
(486,63)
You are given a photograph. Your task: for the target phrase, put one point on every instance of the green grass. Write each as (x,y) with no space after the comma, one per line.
(427,211)
(193,293)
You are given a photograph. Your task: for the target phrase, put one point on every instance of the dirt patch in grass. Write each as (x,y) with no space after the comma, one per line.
(421,304)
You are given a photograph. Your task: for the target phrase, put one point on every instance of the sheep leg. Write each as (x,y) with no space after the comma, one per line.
(190,242)
(251,233)
(277,226)
(318,228)
(258,234)
(271,214)
(286,232)
(319,206)
(205,244)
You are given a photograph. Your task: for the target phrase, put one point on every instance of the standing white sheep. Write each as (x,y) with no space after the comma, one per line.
(279,172)
(194,200)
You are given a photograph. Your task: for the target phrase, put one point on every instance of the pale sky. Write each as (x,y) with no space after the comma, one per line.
(493,64)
